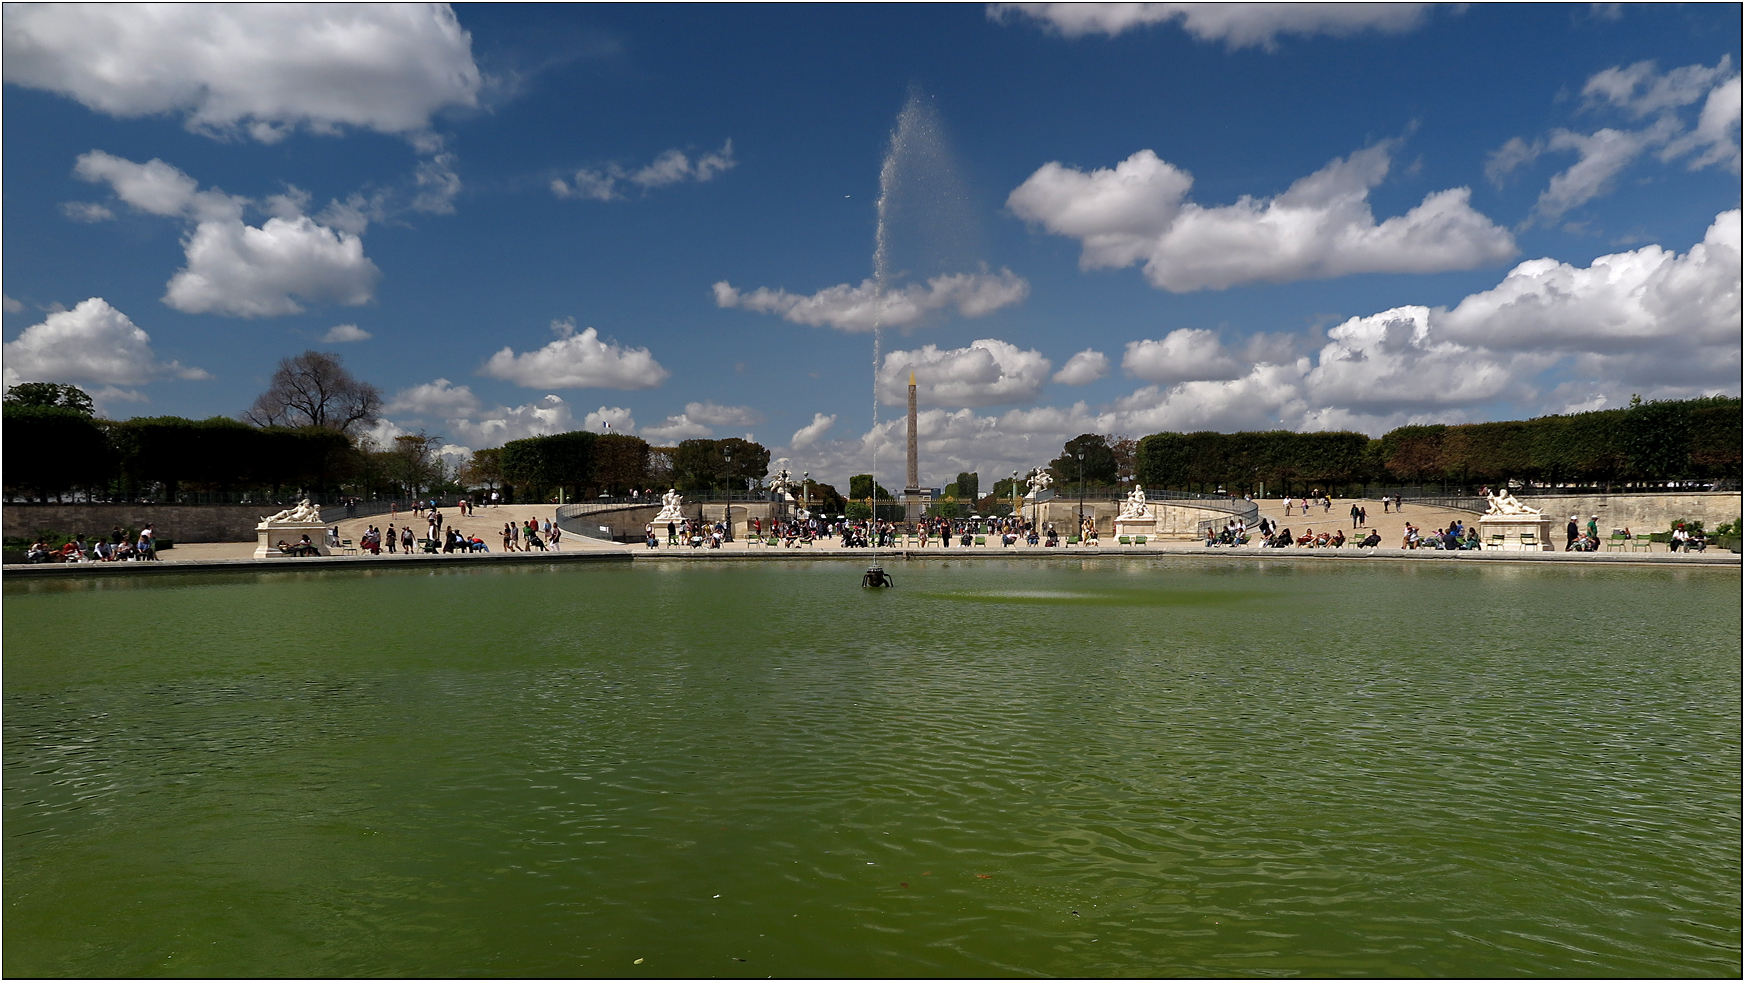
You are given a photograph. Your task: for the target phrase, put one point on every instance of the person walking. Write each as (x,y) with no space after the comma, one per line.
(393,540)
(556,535)
(1354,515)
(1570,534)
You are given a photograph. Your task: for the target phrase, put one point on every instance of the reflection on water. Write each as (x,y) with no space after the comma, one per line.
(1116,767)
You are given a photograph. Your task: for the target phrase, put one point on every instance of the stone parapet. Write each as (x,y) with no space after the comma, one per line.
(1639,513)
(178,523)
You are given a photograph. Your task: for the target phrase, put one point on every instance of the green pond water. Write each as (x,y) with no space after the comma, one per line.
(1104,768)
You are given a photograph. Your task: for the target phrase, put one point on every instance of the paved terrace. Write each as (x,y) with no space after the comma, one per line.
(488,524)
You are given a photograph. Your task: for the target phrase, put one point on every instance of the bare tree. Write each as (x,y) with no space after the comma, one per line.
(314,389)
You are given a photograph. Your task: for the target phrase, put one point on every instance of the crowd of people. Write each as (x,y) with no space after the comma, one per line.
(117,546)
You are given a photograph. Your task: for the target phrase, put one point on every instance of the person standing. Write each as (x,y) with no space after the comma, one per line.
(556,536)
(1594,528)
(1570,534)
(392,538)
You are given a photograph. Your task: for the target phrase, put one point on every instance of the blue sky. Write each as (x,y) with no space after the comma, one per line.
(521,219)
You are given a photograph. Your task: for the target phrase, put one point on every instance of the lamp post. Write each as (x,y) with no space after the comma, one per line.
(1080,457)
(727,509)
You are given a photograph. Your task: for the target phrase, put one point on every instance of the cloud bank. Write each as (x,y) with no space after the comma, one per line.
(262,70)
(1321,227)
(577,361)
(1549,337)
(860,308)
(92,343)
(232,267)
(1238,25)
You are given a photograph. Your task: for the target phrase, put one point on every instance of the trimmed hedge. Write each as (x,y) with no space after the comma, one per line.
(1659,440)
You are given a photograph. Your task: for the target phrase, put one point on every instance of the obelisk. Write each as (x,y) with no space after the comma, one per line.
(912,501)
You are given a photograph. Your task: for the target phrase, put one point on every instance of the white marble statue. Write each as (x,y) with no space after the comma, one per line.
(1039,482)
(1136,505)
(301,513)
(670,503)
(1504,503)
(781,482)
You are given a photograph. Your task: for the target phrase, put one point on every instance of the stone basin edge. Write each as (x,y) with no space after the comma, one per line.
(37,570)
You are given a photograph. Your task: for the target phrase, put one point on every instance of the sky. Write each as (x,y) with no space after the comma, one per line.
(703,221)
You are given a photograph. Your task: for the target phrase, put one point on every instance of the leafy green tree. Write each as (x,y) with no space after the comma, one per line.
(1415,453)
(621,462)
(963,489)
(1657,439)
(53,449)
(1098,467)
(744,460)
(50,394)
(699,466)
(858,510)
(861,488)
(484,469)
(826,500)
(1715,437)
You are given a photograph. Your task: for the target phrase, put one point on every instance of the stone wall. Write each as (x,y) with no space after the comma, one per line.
(178,523)
(1639,513)
(1176,520)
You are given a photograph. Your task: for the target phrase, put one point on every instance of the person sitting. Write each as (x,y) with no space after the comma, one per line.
(1307,539)
(1371,541)
(37,553)
(1339,539)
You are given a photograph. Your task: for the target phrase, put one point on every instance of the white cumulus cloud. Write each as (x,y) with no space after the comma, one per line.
(1181,355)
(261,272)
(671,167)
(438,398)
(808,435)
(235,268)
(260,69)
(1321,227)
(344,333)
(93,342)
(715,415)
(1238,25)
(862,307)
(577,361)
(492,428)
(1551,337)
(614,418)
(677,428)
(987,372)
(1645,298)
(1086,367)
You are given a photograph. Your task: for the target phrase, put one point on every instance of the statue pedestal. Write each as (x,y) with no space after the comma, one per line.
(1137,525)
(1512,527)
(292,533)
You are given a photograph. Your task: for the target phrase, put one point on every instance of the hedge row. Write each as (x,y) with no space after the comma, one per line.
(1648,441)
(582,461)
(51,449)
